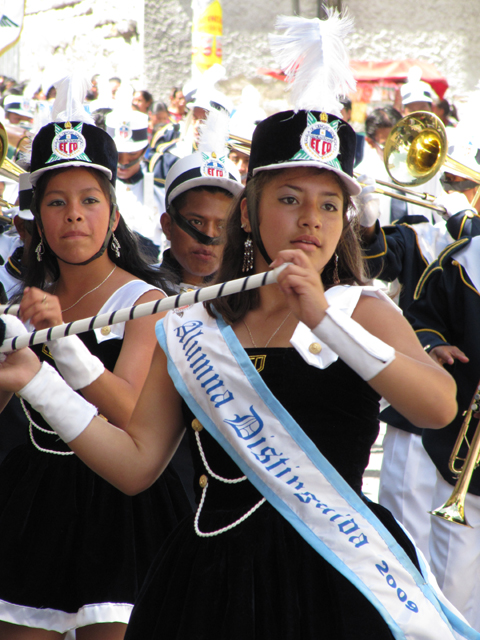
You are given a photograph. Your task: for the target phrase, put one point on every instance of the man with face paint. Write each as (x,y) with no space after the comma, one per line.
(139,200)
(199,193)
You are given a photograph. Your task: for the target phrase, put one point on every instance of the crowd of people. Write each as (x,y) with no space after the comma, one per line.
(200,476)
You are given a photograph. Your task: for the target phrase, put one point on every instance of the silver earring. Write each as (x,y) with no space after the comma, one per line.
(115,246)
(40,250)
(247,255)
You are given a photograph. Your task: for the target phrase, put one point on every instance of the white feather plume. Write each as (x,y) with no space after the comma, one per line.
(214,133)
(313,55)
(68,105)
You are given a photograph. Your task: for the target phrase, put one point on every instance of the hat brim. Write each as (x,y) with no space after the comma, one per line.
(20,112)
(130,146)
(225,183)
(352,186)
(68,165)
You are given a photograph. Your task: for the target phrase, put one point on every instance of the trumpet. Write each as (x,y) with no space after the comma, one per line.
(454,508)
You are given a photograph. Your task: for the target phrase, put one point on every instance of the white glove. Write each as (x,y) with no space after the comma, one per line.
(77,365)
(13,327)
(366,354)
(368,202)
(64,409)
(454,202)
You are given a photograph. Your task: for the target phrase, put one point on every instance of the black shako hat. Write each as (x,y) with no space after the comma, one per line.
(73,144)
(308,139)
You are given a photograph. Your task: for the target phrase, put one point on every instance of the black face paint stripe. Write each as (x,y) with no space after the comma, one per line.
(197,235)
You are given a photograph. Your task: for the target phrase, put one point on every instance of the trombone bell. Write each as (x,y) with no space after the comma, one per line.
(415,149)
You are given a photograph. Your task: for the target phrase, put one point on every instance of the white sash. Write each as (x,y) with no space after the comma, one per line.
(216,378)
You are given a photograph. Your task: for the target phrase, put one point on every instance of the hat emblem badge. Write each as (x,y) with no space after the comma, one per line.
(213,166)
(68,144)
(125,131)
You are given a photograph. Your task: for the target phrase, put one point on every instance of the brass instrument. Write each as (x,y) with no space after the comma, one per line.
(454,508)
(416,150)
(421,199)
(236,143)
(7,168)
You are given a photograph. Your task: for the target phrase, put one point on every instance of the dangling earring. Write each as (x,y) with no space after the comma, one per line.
(336,278)
(248,255)
(40,250)
(115,246)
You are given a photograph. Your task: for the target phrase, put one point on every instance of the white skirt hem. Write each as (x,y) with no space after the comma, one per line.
(61,621)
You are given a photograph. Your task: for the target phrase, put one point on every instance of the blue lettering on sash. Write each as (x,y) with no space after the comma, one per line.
(247,426)
(200,364)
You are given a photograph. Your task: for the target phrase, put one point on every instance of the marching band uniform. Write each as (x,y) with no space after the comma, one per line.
(288,568)
(74,549)
(246,536)
(403,251)
(447,299)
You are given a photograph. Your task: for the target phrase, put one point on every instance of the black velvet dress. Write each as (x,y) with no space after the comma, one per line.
(73,549)
(260,579)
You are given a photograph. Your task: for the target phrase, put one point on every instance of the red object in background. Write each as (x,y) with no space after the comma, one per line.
(388,73)
(396,71)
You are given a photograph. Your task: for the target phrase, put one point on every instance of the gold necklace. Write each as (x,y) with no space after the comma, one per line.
(273,334)
(88,292)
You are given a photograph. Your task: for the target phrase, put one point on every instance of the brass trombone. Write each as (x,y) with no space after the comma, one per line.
(421,199)
(454,508)
(414,152)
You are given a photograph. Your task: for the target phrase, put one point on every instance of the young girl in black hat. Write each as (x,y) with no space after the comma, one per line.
(74,551)
(283,544)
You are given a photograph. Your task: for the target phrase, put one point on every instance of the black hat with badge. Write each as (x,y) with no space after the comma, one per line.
(313,56)
(73,144)
(308,139)
(72,140)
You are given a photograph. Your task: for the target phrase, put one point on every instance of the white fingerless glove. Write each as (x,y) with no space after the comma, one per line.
(454,202)
(366,354)
(368,202)
(13,327)
(77,365)
(64,409)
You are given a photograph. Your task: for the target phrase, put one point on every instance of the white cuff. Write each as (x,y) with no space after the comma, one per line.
(13,327)
(64,409)
(77,365)
(366,354)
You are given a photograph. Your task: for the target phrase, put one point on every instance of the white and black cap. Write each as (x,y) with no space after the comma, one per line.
(415,90)
(202,170)
(129,130)
(20,105)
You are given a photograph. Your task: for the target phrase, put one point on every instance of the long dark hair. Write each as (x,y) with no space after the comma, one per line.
(131,259)
(346,267)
